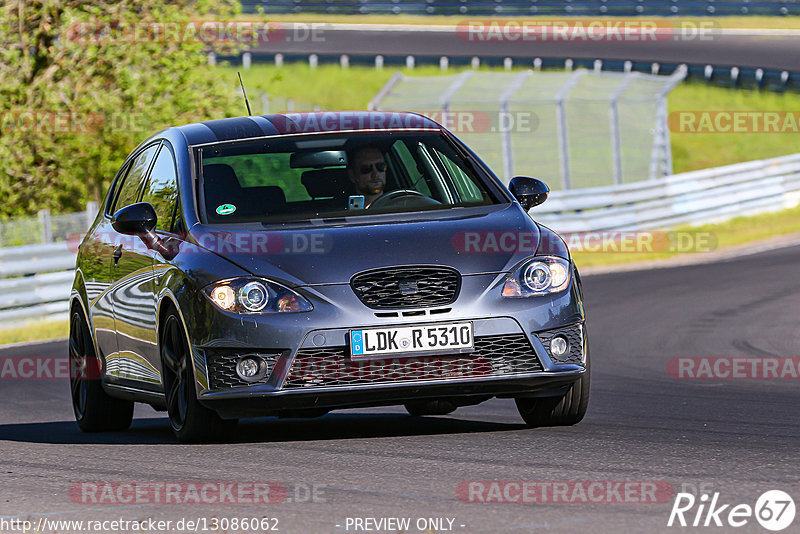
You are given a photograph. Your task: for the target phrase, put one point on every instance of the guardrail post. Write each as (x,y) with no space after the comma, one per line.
(613,111)
(661,155)
(264,103)
(447,95)
(375,103)
(91,213)
(247,60)
(46,231)
(505,124)
(561,117)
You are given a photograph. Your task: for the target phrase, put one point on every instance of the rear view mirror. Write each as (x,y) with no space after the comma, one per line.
(529,192)
(325,158)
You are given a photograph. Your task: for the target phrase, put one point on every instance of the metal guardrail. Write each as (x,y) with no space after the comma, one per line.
(527,7)
(36,271)
(695,197)
(41,275)
(42,278)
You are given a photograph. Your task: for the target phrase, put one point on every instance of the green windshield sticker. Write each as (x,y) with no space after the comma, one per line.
(226,209)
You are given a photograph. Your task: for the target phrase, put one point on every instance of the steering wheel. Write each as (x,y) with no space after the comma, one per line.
(388,198)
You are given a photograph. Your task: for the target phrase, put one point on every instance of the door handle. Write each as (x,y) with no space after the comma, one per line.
(117,254)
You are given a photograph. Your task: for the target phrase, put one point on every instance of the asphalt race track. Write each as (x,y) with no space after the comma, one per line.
(769,50)
(736,437)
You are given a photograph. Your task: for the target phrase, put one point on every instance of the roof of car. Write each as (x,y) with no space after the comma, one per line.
(297,123)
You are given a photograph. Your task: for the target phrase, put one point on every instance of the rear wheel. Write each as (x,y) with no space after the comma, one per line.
(430,407)
(190,421)
(564,410)
(95,411)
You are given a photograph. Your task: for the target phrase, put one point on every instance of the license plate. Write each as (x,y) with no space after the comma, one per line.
(411,339)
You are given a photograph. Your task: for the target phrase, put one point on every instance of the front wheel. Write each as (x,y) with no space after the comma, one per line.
(564,410)
(95,411)
(190,421)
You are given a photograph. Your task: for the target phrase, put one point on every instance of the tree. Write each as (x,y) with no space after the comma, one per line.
(82,84)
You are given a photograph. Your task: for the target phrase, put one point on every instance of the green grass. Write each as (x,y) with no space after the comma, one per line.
(37,331)
(776,22)
(738,231)
(691,151)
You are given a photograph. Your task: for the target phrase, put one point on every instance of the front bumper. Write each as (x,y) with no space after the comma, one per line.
(277,402)
(311,367)
(511,363)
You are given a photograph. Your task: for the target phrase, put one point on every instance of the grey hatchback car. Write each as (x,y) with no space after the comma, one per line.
(290,265)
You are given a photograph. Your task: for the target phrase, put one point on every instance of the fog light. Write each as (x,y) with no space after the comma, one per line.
(251,368)
(559,346)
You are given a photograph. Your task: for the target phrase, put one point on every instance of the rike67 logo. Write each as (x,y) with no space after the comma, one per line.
(774,510)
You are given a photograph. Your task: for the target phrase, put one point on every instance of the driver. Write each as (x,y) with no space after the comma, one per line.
(366,169)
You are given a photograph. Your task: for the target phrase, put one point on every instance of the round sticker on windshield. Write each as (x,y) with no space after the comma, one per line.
(226,209)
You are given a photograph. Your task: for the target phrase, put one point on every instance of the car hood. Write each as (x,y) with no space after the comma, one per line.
(476,240)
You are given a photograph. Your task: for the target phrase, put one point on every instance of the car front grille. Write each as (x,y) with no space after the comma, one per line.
(574,335)
(222,367)
(407,287)
(494,356)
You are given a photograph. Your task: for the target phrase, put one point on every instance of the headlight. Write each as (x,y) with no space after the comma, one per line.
(539,275)
(251,295)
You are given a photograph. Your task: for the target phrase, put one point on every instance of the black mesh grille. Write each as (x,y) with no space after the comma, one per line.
(494,356)
(407,287)
(574,335)
(222,367)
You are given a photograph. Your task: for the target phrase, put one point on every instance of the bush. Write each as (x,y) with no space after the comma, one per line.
(74,102)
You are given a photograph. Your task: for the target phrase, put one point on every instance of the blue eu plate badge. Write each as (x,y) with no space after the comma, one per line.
(356,342)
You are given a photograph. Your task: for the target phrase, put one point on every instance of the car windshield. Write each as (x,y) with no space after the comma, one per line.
(309,177)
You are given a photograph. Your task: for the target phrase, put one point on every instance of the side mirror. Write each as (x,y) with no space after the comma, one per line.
(136,219)
(529,192)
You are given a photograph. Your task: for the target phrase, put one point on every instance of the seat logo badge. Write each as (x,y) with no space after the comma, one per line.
(408,287)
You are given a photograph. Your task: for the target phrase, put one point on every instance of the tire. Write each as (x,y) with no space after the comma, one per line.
(419,408)
(95,411)
(191,422)
(565,410)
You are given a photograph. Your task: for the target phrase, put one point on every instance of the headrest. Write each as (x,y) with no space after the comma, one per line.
(268,196)
(220,183)
(326,183)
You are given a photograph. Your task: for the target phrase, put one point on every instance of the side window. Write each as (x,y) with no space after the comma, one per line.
(162,189)
(129,191)
(467,189)
(418,180)
(115,186)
